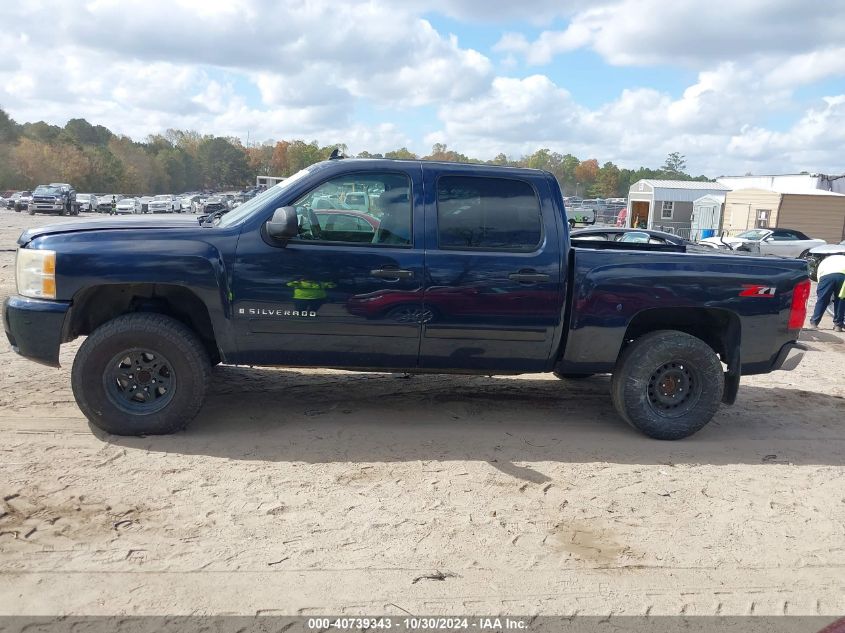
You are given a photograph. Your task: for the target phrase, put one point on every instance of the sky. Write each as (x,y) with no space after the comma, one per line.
(736,86)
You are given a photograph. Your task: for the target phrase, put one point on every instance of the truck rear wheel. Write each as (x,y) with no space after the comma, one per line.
(141,374)
(667,384)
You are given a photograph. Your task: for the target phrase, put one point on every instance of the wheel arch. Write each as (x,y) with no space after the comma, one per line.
(721,329)
(96,305)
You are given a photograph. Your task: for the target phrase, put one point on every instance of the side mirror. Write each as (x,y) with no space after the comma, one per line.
(284,224)
(768,238)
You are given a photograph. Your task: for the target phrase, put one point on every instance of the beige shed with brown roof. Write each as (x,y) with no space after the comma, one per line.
(819,214)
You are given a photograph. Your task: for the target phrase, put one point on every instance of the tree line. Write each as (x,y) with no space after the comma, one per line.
(93,158)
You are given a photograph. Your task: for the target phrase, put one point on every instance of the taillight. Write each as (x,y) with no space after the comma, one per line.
(798,309)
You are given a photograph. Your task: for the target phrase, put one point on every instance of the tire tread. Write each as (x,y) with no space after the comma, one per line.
(179,336)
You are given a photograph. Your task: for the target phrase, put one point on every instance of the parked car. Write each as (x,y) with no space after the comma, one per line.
(145,203)
(817,254)
(57,198)
(214,204)
(262,285)
(107,201)
(348,226)
(581,216)
(86,201)
(21,200)
(780,242)
(189,203)
(639,236)
(128,205)
(165,204)
(6,201)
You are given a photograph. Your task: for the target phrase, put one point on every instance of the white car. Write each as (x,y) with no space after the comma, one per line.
(145,203)
(128,205)
(779,242)
(86,201)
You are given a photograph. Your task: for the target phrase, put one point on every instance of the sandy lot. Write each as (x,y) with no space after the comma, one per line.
(305,492)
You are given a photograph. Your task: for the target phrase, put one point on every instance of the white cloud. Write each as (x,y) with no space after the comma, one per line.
(709,123)
(498,11)
(364,47)
(643,32)
(140,66)
(317,69)
(816,139)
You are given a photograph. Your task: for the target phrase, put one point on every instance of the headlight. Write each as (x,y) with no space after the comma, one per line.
(36,273)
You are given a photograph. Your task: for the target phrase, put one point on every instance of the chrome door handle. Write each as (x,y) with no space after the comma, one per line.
(392,274)
(528,277)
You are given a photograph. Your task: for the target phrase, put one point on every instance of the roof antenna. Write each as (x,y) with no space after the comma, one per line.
(336,154)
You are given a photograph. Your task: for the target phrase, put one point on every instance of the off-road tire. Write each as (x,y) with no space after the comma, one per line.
(158,333)
(634,389)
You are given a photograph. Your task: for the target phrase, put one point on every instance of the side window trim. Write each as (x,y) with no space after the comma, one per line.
(484,249)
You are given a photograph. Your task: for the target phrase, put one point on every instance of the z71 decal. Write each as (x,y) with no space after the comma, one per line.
(753,290)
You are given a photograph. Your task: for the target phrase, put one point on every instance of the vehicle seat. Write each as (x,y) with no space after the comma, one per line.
(395,226)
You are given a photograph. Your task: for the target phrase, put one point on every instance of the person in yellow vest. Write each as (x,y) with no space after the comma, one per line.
(309,295)
(831,276)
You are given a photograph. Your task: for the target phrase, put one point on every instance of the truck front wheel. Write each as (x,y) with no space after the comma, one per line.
(667,384)
(140,374)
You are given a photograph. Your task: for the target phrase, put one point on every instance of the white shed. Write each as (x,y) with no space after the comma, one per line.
(706,217)
(666,205)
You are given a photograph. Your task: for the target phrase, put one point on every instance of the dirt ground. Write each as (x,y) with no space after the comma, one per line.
(309,492)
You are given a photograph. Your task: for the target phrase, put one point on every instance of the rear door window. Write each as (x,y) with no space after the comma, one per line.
(491,214)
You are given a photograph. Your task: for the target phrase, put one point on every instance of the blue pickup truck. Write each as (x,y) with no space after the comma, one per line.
(449,268)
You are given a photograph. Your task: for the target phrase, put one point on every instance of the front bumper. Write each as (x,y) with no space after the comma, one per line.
(34,327)
(789,356)
(40,206)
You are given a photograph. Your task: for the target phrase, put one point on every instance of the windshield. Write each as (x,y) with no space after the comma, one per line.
(46,191)
(260,200)
(162,198)
(753,235)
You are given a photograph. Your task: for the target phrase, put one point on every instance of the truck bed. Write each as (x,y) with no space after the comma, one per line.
(612,284)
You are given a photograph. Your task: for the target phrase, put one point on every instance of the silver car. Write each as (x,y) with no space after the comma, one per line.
(778,242)
(128,205)
(86,201)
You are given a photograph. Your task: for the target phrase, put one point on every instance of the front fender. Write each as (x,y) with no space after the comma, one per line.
(87,260)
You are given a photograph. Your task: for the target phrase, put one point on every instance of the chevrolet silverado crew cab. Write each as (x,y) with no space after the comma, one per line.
(455,268)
